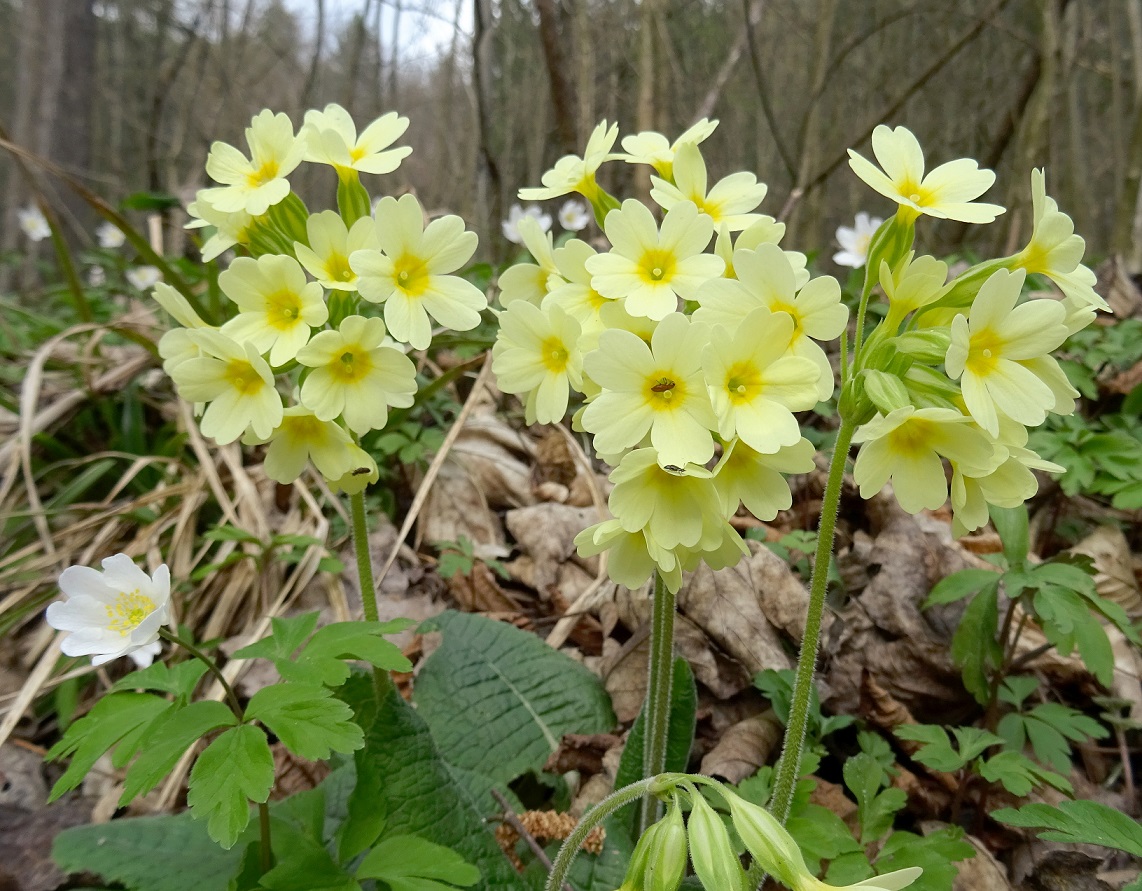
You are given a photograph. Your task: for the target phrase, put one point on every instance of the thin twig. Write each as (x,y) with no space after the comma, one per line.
(514,822)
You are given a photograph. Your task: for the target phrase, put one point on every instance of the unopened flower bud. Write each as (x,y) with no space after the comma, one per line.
(929,345)
(713,856)
(636,870)
(666,864)
(768,841)
(886,391)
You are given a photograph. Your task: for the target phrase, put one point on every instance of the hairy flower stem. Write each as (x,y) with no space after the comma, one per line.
(660,675)
(364,562)
(381,679)
(597,815)
(788,766)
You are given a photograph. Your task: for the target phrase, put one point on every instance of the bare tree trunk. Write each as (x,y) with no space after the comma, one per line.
(555,41)
(644,110)
(481,77)
(315,61)
(1128,214)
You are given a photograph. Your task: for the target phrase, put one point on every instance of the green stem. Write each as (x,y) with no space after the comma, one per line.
(266,856)
(660,675)
(788,766)
(597,815)
(212,667)
(364,562)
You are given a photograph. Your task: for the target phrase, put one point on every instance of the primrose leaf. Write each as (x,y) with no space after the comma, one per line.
(168,736)
(113,719)
(232,771)
(308,720)
(1079,822)
(408,863)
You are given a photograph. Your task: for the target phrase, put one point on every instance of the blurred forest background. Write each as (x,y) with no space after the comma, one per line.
(128,94)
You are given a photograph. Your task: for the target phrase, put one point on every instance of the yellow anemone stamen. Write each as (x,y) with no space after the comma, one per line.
(128,610)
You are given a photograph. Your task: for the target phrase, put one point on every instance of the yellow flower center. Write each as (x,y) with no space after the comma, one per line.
(984,352)
(356,153)
(596,300)
(782,306)
(411,275)
(243,377)
(303,429)
(354,366)
(554,355)
(337,268)
(743,383)
(664,392)
(264,174)
(913,437)
(283,310)
(657,266)
(128,610)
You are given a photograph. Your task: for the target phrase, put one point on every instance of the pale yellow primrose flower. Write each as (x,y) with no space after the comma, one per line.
(757,480)
(331,138)
(363,473)
(278,305)
(989,343)
(537,355)
(229,228)
(766,278)
(530,281)
(672,507)
(175,346)
(1055,250)
(651,269)
(657,389)
(237,383)
(302,437)
(905,446)
(113,613)
(256,183)
(656,150)
(917,283)
(947,192)
(355,375)
(574,174)
(574,294)
(631,557)
(754,385)
(410,273)
(728,203)
(330,244)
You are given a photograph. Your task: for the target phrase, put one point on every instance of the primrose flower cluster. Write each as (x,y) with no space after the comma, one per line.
(959,369)
(309,296)
(693,339)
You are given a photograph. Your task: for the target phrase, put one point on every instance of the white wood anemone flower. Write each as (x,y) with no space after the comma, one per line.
(113,613)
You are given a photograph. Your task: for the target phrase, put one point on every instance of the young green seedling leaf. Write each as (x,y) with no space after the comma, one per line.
(308,720)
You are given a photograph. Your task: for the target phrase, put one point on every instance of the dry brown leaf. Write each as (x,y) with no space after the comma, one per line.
(832,796)
(624,675)
(546,533)
(294,774)
(479,592)
(457,507)
(743,748)
(726,606)
(1114,568)
(582,752)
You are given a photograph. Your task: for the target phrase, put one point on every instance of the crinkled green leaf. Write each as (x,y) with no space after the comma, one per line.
(112,720)
(232,771)
(519,698)
(307,718)
(148,854)
(1079,822)
(403,780)
(302,863)
(167,737)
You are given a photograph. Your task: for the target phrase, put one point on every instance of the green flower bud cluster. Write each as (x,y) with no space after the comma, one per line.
(659,859)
